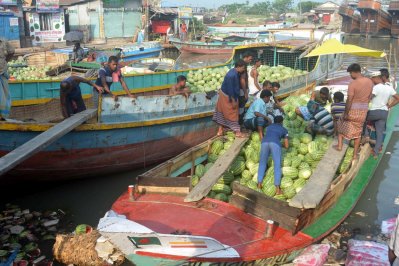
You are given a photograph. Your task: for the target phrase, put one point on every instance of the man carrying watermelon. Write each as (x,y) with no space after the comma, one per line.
(271,144)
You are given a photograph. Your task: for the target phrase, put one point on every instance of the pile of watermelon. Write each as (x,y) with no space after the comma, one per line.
(222,190)
(346,162)
(206,79)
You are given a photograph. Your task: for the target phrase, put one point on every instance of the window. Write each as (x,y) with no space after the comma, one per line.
(46,21)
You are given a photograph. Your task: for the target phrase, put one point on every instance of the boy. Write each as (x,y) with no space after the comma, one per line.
(337,108)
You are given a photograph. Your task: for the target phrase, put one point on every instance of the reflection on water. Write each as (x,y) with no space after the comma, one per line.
(188,60)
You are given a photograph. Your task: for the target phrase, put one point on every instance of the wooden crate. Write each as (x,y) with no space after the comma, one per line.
(46,59)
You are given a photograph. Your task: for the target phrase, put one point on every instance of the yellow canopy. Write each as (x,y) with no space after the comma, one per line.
(333,46)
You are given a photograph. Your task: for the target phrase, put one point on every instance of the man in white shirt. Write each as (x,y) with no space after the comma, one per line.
(379,106)
(386,79)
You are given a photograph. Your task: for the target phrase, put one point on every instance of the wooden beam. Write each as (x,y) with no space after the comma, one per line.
(42,141)
(220,166)
(319,182)
(163,185)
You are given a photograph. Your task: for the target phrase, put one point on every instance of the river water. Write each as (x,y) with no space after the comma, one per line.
(87,200)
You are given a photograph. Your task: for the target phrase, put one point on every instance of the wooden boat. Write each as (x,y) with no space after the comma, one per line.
(196,47)
(37,92)
(261,29)
(140,50)
(157,226)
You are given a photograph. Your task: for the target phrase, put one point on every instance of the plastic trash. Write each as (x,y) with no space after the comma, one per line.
(314,255)
(387,226)
(365,253)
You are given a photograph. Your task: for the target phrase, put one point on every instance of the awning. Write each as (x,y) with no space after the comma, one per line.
(333,46)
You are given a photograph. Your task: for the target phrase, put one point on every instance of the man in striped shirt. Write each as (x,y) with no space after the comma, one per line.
(321,121)
(338,107)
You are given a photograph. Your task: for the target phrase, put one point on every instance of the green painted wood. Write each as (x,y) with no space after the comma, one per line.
(348,200)
(187,166)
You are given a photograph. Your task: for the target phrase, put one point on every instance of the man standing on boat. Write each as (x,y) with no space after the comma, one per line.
(254,86)
(226,113)
(180,87)
(106,76)
(71,95)
(6,52)
(379,106)
(350,126)
(243,98)
(183,32)
(78,53)
(256,117)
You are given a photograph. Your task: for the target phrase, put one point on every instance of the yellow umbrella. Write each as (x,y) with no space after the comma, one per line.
(333,46)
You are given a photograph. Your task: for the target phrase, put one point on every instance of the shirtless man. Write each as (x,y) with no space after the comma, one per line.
(254,86)
(350,126)
(180,87)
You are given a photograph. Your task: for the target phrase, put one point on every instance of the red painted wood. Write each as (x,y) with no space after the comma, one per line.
(187,48)
(226,223)
(68,164)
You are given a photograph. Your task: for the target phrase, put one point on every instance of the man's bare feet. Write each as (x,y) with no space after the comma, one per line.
(278,190)
(260,185)
(337,148)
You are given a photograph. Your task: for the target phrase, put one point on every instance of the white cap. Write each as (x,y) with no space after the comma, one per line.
(375,74)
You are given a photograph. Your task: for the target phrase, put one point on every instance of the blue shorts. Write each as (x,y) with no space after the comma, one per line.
(254,123)
(305,113)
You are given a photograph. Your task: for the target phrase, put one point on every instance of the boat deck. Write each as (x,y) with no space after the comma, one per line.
(222,221)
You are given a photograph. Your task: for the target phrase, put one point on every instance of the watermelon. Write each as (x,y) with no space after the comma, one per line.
(305,173)
(230,134)
(280,197)
(295,162)
(300,182)
(290,172)
(200,170)
(287,161)
(237,167)
(211,194)
(227,145)
(255,137)
(221,188)
(240,158)
(255,156)
(286,182)
(222,152)
(269,190)
(318,155)
(270,171)
(249,164)
(309,158)
(194,180)
(289,192)
(303,149)
(295,142)
(252,184)
(212,158)
(216,147)
(246,175)
(291,115)
(221,197)
(306,138)
(313,147)
(301,156)
(226,178)
(244,181)
(304,165)
(254,169)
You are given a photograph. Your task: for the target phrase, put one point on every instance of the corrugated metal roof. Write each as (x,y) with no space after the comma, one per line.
(165,10)
(72,2)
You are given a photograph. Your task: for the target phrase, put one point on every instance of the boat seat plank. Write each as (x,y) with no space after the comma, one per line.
(42,141)
(163,185)
(213,174)
(320,180)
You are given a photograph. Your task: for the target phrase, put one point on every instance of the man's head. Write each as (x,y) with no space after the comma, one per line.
(376,77)
(275,87)
(324,93)
(77,45)
(265,95)
(65,86)
(113,63)
(258,62)
(240,66)
(384,74)
(181,81)
(338,97)
(278,119)
(354,70)
(267,85)
(247,57)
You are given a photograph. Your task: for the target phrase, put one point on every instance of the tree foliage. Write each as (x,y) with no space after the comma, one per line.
(259,8)
(307,6)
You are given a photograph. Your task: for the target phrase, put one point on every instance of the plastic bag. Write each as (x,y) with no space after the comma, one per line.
(366,253)
(388,226)
(314,255)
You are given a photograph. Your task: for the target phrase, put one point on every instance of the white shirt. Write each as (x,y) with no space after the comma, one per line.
(381,95)
(251,84)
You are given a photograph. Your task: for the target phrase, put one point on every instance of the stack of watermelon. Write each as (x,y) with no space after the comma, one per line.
(294,123)
(346,161)
(206,79)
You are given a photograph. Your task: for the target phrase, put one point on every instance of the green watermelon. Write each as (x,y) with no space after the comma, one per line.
(286,182)
(246,175)
(280,197)
(309,158)
(227,145)
(222,188)
(216,147)
(305,173)
(221,197)
(252,184)
(317,155)
(237,167)
(254,169)
(194,180)
(255,156)
(295,142)
(304,165)
(244,181)
(212,158)
(295,162)
(289,192)
(290,172)
(313,147)
(200,170)
(255,137)
(222,152)
(211,194)
(306,138)
(300,182)
(249,164)
(269,190)
(208,166)
(287,161)
(226,178)
(303,149)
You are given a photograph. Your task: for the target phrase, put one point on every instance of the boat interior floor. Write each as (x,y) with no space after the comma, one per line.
(231,226)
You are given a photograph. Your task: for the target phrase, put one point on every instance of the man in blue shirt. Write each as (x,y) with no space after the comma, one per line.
(106,76)
(321,121)
(271,144)
(256,116)
(71,95)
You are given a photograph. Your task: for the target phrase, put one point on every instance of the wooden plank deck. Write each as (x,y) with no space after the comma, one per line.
(211,177)
(42,141)
(315,189)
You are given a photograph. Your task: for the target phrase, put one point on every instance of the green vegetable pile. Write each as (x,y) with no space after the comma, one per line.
(206,79)
(278,73)
(30,73)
